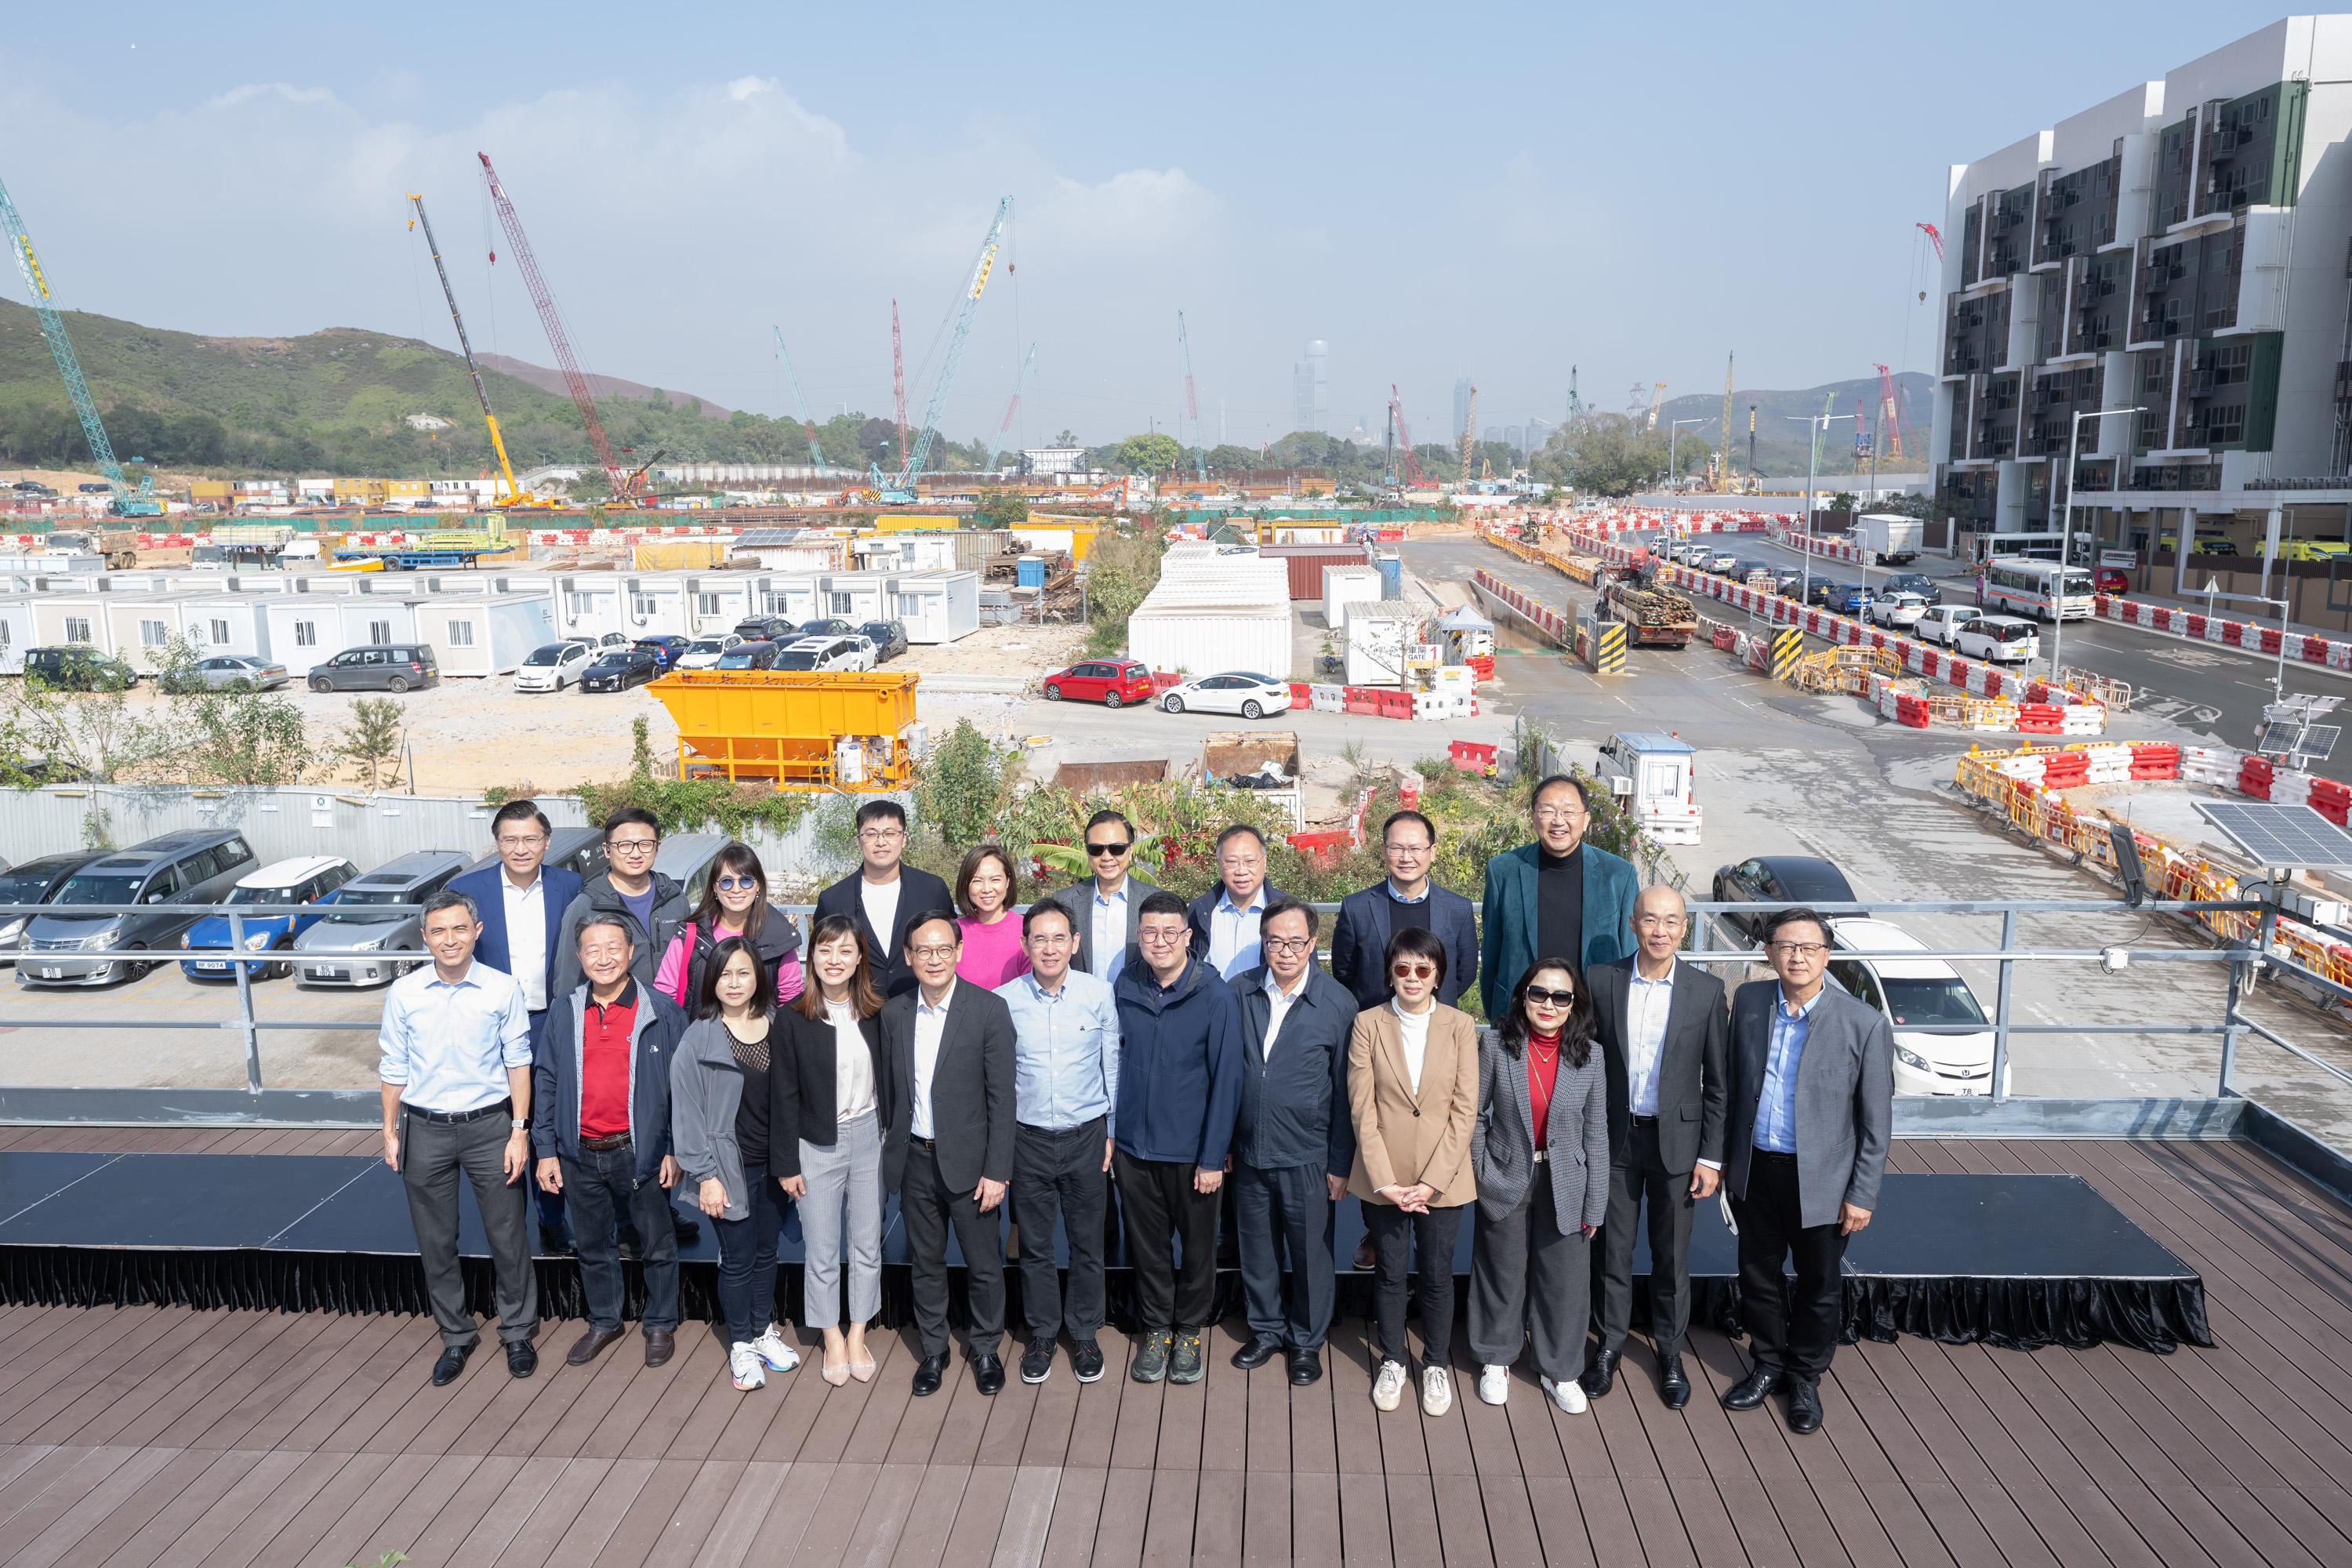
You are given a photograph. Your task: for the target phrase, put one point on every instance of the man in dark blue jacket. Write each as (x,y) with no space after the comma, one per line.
(1180,1089)
(1360,940)
(1293,1142)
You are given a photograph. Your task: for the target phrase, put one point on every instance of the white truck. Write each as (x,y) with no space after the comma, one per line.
(1887,539)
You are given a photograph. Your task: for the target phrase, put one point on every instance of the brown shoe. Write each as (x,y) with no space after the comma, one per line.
(660,1344)
(1367,1259)
(591,1345)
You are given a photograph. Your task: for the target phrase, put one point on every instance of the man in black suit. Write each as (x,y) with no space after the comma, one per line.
(947,1142)
(1664,1038)
(882,896)
(1360,941)
(1103,906)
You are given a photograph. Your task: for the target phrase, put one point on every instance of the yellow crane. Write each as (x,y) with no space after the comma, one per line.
(1469,436)
(516,495)
(1657,400)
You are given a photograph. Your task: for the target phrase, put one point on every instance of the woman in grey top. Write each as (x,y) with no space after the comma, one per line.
(1540,1152)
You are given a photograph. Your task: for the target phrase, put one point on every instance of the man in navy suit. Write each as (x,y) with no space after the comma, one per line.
(1369,917)
(522,903)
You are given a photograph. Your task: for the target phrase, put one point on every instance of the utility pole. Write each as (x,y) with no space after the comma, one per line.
(1818,423)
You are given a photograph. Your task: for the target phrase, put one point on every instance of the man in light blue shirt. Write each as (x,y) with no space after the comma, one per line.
(1064,1089)
(1224,919)
(1776,1111)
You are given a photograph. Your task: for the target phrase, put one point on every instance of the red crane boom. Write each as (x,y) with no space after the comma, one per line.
(1892,412)
(899,384)
(624,486)
(1412,474)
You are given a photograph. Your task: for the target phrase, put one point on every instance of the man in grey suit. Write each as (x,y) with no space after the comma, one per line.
(1664,1037)
(1812,1091)
(1102,907)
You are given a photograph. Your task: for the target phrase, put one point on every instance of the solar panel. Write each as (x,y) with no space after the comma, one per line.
(773,538)
(2279,735)
(2293,737)
(2319,741)
(2281,834)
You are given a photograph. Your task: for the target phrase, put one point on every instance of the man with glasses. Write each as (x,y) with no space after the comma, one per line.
(1180,1089)
(883,895)
(1556,898)
(1406,897)
(1812,1110)
(1102,907)
(654,905)
(1065,1081)
(1224,919)
(1664,1037)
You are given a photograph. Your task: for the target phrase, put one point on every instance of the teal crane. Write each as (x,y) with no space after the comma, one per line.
(807,424)
(903,485)
(129,499)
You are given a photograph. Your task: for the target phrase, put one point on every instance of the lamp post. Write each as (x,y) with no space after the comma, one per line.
(1819,422)
(1673,475)
(2066,537)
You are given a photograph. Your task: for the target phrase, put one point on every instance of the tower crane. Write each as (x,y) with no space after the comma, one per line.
(516,495)
(1191,402)
(1575,404)
(898,382)
(1469,436)
(1657,400)
(1891,411)
(808,426)
(1412,474)
(937,405)
(1934,238)
(557,338)
(126,499)
(1011,408)
(1722,454)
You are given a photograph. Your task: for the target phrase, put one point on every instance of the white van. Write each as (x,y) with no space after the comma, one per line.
(1914,992)
(1656,778)
(1998,639)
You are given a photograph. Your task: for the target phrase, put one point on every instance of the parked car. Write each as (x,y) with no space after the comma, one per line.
(553,667)
(33,882)
(1236,691)
(2000,639)
(836,653)
(1917,583)
(1854,600)
(830,627)
(756,655)
(1718,560)
(1778,879)
(1829,592)
(1913,993)
(689,858)
(1790,581)
(228,673)
(1113,682)
(307,880)
(665,648)
(703,653)
(176,870)
(2110,579)
(1942,623)
(78,666)
(765,629)
(2317,550)
(383,666)
(595,643)
(618,669)
(888,638)
(359,919)
(1897,612)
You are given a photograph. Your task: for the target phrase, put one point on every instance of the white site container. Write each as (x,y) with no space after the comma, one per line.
(655,605)
(486,636)
(936,606)
(230,623)
(62,619)
(1381,635)
(1656,778)
(1345,586)
(590,606)
(15,634)
(1200,639)
(308,629)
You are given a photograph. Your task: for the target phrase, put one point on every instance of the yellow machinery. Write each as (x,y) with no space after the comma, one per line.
(516,495)
(852,732)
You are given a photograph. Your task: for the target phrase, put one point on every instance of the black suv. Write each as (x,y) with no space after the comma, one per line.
(888,638)
(1915,583)
(78,666)
(766,629)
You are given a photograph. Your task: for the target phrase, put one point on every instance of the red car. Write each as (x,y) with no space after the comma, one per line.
(1113,682)
(2111,580)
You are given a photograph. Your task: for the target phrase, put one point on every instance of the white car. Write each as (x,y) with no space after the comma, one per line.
(1714,560)
(1912,993)
(820,654)
(703,653)
(1896,612)
(2000,639)
(1942,623)
(1235,691)
(552,667)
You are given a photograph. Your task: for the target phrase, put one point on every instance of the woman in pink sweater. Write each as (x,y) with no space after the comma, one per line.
(984,890)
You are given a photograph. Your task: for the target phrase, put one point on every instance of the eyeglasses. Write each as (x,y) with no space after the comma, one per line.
(1097,851)
(1052,939)
(631,845)
(1288,943)
(1797,949)
(1160,936)
(1560,814)
(517,841)
(1659,922)
(731,884)
(1395,848)
(1423,970)
(935,950)
(881,834)
(1545,996)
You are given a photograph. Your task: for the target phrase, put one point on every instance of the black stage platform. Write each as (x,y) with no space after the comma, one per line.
(2013,1260)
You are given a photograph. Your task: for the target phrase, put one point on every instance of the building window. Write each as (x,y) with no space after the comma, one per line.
(379,631)
(461,634)
(842,603)
(641,605)
(220,631)
(706,604)
(306,634)
(6,637)
(151,634)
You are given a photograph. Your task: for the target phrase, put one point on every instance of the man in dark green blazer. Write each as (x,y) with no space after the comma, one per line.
(1557,897)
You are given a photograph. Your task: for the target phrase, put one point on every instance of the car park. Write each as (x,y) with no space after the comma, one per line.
(1942,623)
(703,653)
(1897,612)
(360,918)
(383,666)
(78,666)
(826,653)
(765,629)
(618,669)
(552,667)
(1998,639)
(1250,695)
(228,673)
(173,873)
(1914,993)
(757,654)
(1917,583)
(35,881)
(666,649)
(1113,682)
(888,638)
(1778,879)
(309,879)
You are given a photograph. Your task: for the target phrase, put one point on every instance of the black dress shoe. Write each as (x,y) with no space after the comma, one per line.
(1256,1353)
(522,1359)
(928,1374)
(452,1362)
(1805,1407)
(1306,1367)
(1601,1375)
(987,1372)
(1673,1384)
(591,1345)
(1752,1390)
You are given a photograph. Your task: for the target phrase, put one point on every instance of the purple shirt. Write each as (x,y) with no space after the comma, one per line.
(992,954)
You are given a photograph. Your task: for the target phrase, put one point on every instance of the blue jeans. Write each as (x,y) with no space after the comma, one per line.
(603,1190)
(747,1258)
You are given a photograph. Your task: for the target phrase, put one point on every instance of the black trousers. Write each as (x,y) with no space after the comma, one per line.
(1171,1242)
(603,1190)
(929,1206)
(1060,1176)
(1395,1233)
(431,1157)
(1637,1180)
(1792,1328)
(1281,1209)
(550,1205)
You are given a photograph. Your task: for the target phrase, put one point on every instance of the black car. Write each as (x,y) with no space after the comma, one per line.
(888,638)
(750,656)
(77,667)
(665,649)
(832,626)
(765,629)
(1915,583)
(1778,880)
(618,669)
(1789,580)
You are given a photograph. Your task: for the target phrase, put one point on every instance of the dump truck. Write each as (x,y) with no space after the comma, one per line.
(1659,617)
(118,547)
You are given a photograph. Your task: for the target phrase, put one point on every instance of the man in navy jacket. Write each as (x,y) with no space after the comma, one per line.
(1360,941)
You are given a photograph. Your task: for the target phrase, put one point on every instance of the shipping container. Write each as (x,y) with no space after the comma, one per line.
(1304,563)
(1195,640)
(308,629)
(232,623)
(680,555)
(1345,586)
(488,636)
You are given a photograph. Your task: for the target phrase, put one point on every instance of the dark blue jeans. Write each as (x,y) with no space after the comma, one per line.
(747,1259)
(603,1189)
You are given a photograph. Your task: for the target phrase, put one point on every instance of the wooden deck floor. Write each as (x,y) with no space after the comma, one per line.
(148,1436)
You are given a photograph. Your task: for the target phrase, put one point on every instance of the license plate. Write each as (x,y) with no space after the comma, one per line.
(51,972)
(212,966)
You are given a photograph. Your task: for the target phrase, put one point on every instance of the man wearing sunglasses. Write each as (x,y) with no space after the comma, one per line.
(1102,907)
(653,904)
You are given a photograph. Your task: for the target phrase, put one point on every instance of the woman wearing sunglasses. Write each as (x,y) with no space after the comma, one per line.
(1412,1089)
(1541,1147)
(734,904)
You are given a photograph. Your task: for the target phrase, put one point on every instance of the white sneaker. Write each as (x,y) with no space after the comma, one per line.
(1436,1390)
(776,1351)
(1495,1384)
(744,1360)
(1568,1394)
(1388,1388)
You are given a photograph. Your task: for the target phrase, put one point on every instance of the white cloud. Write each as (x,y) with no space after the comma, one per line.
(284,92)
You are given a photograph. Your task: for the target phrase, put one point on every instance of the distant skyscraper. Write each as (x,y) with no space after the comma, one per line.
(1310,388)
(1461,409)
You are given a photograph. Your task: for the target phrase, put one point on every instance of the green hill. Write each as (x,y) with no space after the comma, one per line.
(1780,434)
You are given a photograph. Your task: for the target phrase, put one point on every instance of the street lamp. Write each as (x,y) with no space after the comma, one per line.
(1819,422)
(1673,474)
(2067,538)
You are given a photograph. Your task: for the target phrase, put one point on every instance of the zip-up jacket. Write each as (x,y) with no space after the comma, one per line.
(686,959)
(1180,1075)
(556,1072)
(670,912)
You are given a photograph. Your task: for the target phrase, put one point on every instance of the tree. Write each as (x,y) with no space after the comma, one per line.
(47,732)
(372,741)
(1608,454)
(965,786)
(1120,572)
(1000,509)
(1153,454)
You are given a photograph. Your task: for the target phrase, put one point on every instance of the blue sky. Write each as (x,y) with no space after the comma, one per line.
(1495,192)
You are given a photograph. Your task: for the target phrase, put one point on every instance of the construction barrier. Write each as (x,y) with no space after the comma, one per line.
(1559,627)
(2243,634)
(1787,647)
(1609,648)
(1471,757)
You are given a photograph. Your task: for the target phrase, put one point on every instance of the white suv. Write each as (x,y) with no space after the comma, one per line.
(2000,639)
(826,654)
(1897,612)
(552,667)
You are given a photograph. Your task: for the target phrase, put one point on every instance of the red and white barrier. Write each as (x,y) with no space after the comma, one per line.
(2176,622)
(1826,546)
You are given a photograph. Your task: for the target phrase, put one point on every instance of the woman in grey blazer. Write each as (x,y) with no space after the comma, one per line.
(1540,1150)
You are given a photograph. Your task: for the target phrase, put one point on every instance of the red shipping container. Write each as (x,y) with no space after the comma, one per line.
(1305,563)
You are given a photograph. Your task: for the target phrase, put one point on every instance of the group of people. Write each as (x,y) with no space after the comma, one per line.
(605,1044)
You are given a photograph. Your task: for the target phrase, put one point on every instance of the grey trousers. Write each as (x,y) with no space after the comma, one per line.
(1640,1179)
(1527,1280)
(431,1155)
(841,1223)
(1278,1210)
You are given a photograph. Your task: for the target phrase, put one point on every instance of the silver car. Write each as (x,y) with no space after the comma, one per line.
(237,671)
(392,942)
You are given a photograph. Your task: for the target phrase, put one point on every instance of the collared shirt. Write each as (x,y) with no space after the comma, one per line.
(1279,1004)
(608,1042)
(526,909)
(1776,1111)
(1065,1051)
(449,1044)
(930,1029)
(1648,1004)
(1419,897)
(1233,948)
(853,1064)
(1106,941)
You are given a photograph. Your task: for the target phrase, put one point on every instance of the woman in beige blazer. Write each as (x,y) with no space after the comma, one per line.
(1412,1091)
